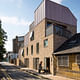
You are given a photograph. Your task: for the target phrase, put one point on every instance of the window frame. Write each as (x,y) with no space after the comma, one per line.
(62,31)
(32,36)
(31,49)
(44,43)
(63,65)
(23,52)
(77,60)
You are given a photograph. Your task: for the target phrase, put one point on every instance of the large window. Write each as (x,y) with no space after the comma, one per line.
(63,61)
(32,50)
(49,29)
(37,48)
(78,59)
(46,43)
(62,31)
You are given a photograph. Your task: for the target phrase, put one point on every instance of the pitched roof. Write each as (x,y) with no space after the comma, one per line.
(72,45)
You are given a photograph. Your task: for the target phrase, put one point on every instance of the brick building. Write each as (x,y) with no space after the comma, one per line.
(17,43)
(53,24)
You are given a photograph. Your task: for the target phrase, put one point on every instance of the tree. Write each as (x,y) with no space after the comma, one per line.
(3,38)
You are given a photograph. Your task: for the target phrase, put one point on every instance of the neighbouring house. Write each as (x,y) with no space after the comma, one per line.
(67,57)
(12,57)
(18,43)
(53,25)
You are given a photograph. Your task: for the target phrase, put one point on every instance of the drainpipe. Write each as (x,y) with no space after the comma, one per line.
(53,51)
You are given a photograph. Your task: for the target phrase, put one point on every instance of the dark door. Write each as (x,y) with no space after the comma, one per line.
(47,64)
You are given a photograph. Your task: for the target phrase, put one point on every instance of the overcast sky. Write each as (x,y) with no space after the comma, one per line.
(16,15)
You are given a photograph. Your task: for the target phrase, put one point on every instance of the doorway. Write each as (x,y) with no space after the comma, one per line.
(47,63)
(35,63)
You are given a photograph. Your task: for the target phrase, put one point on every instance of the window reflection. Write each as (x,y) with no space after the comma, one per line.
(61,31)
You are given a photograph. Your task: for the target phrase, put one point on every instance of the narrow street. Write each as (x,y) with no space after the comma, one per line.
(11,72)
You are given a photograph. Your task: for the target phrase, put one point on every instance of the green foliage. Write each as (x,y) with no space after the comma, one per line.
(3,38)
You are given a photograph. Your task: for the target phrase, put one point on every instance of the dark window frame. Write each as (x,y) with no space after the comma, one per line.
(62,31)
(31,49)
(27,51)
(37,47)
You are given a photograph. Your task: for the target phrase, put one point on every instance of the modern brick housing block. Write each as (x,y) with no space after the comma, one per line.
(53,24)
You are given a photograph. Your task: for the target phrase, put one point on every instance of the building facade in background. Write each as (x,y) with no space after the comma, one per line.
(18,42)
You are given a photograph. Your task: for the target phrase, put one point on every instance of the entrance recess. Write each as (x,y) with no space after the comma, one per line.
(47,63)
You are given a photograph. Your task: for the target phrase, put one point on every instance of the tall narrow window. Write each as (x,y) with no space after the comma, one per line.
(37,48)
(32,50)
(46,43)
(23,52)
(27,51)
(32,36)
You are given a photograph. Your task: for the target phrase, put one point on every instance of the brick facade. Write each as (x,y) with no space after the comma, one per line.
(39,29)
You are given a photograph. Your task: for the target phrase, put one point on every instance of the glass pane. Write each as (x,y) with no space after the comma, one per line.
(45,42)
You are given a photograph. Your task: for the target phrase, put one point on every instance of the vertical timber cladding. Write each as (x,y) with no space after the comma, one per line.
(39,14)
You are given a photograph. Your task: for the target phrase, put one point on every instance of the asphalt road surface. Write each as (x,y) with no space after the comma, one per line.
(11,72)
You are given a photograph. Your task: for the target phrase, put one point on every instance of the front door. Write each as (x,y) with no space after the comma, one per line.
(47,63)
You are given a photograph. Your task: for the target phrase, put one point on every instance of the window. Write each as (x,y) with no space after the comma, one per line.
(48,24)
(32,36)
(23,52)
(58,30)
(46,43)
(62,31)
(26,61)
(32,49)
(63,61)
(37,48)
(78,59)
(27,51)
